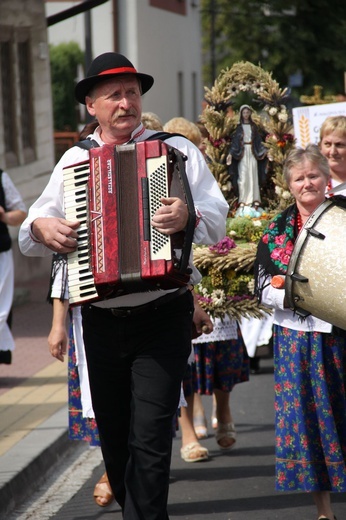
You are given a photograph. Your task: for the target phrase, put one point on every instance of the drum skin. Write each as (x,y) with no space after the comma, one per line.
(315,281)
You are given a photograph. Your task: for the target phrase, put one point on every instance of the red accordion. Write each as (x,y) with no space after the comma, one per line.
(115,195)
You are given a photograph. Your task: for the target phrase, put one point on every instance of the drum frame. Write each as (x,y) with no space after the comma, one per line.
(294,301)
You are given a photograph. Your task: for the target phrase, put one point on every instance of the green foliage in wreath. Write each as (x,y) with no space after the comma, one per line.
(246,229)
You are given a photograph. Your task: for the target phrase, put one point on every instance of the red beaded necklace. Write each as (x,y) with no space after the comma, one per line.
(299,222)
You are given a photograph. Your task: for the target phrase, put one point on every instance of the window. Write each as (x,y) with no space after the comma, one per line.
(16,97)
(194,96)
(175,6)
(181,94)
(8,102)
(25,99)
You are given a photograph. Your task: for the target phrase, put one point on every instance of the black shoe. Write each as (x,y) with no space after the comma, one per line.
(254,365)
(6,357)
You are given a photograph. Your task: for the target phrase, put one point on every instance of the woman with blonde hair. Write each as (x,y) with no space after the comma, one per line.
(183,126)
(333,146)
(151,121)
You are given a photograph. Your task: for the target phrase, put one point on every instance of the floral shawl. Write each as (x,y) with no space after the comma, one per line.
(275,248)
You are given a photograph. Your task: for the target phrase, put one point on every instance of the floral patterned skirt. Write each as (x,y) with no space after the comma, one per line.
(220,365)
(310,411)
(80,428)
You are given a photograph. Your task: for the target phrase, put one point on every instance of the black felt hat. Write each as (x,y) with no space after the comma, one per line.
(107,66)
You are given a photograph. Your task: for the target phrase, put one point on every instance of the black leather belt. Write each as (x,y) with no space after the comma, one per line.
(128,312)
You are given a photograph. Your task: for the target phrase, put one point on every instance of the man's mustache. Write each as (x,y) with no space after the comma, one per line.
(129,112)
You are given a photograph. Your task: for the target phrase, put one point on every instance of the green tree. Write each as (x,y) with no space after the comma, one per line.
(282,36)
(64,61)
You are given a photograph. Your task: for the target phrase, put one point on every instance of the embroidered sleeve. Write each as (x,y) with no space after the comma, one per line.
(58,271)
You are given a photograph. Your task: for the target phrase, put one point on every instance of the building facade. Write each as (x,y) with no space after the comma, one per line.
(26,126)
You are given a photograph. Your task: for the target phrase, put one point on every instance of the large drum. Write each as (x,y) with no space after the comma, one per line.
(315,281)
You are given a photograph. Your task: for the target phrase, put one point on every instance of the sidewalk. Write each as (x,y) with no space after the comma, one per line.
(33,400)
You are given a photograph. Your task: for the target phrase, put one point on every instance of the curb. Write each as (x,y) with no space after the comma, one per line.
(24,467)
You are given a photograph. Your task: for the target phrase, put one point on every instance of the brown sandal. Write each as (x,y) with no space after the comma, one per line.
(103,494)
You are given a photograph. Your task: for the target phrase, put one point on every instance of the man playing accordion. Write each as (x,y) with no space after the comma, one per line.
(137,344)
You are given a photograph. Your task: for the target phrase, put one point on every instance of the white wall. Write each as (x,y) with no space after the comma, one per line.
(167,43)
(73,29)
(158,42)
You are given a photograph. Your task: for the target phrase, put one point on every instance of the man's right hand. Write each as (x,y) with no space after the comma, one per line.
(57,234)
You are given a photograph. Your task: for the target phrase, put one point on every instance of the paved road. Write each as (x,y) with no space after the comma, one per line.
(237,485)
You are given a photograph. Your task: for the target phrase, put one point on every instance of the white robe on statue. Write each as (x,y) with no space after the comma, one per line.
(248,172)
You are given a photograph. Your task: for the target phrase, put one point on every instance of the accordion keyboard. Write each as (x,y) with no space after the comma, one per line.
(80,276)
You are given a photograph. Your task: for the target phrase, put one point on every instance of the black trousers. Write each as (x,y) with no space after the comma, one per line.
(136,365)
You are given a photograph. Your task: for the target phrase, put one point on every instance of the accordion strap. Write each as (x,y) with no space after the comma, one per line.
(87,144)
(191,223)
(163,136)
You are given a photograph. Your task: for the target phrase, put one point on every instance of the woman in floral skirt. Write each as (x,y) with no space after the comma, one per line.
(309,354)
(221,362)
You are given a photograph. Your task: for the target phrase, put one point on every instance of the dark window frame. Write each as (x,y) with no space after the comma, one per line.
(26,98)
(175,6)
(16,95)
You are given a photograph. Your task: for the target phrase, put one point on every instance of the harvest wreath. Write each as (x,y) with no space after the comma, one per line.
(227,285)
(275,120)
